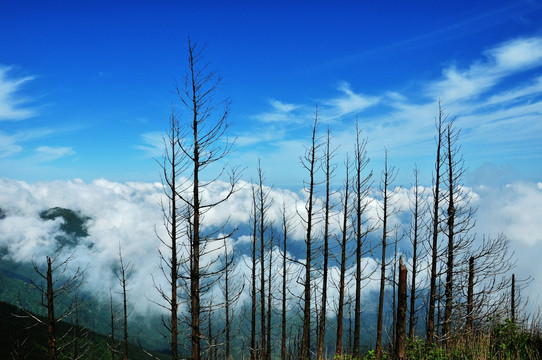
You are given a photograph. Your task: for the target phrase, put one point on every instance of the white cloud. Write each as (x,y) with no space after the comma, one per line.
(129,213)
(503,60)
(517,55)
(48,153)
(8,145)
(494,99)
(154,144)
(281,113)
(514,210)
(350,103)
(11,103)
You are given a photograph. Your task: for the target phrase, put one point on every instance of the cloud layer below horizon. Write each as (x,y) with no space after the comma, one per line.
(129,214)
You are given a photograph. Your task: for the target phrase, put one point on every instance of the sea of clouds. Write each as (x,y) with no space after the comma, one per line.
(129,214)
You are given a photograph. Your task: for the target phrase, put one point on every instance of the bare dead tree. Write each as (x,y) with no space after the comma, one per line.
(362,184)
(254,223)
(270,293)
(487,284)
(470,297)
(203,146)
(329,169)
(310,163)
(436,219)
(123,275)
(61,284)
(459,220)
(80,344)
(513,299)
(417,210)
(170,259)
(232,290)
(113,313)
(286,224)
(343,245)
(400,337)
(263,204)
(388,176)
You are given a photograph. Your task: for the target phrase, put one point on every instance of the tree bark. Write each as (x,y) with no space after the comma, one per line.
(470,300)
(342,264)
(430,328)
(446,333)
(415,230)
(51,320)
(400,346)
(310,165)
(327,208)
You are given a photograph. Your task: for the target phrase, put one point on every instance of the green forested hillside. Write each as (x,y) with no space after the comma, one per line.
(21,336)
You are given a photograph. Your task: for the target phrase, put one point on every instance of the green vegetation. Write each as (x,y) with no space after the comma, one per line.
(20,336)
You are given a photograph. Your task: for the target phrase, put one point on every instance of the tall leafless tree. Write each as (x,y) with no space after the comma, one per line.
(254,225)
(123,275)
(486,286)
(417,209)
(362,184)
(263,204)
(270,293)
(343,239)
(113,313)
(203,143)
(388,176)
(310,162)
(459,219)
(436,220)
(329,169)
(232,290)
(286,224)
(61,284)
(400,337)
(170,260)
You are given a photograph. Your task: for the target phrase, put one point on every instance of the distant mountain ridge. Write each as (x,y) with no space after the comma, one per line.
(74,224)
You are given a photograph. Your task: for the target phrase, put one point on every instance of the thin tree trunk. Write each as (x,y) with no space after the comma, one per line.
(388,176)
(430,328)
(513,300)
(322,327)
(125,311)
(195,241)
(227,302)
(310,165)
(112,326)
(412,321)
(342,274)
(51,312)
(284,289)
(446,333)
(361,162)
(470,297)
(253,281)
(400,346)
(262,229)
(269,276)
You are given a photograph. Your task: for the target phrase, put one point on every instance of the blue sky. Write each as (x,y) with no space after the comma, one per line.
(86,88)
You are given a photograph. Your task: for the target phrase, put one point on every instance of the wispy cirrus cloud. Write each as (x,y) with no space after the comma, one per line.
(496,100)
(13,105)
(8,145)
(281,112)
(49,153)
(503,60)
(347,104)
(153,144)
